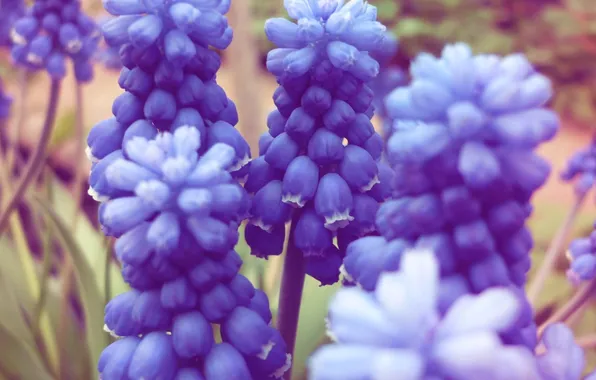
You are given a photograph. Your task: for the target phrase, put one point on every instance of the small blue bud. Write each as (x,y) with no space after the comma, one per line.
(325,268)
(267,208)
(465,120)
(339,117)
(265,141)
(212,235)
(459,205)
(225,362)
(490,272)
(148,311)
(118,314)
(132,248)
(121,214)
(115,359)
(127,108)
(276,123)
(214,102)
(478,165)
(115,30)
(360,130)
(284,102)
(39,50)
(243,290)
(333,201)
(365,68)
(247,332)
(300,126)
(265,243)
(24,29)
(179,48)
(192,335)
(140,128)
(56,65)
(191,91)
(137,82)
(104,138)
(311,235)
(300,181)
(342,55)
(283,33)
(325,147)
(222,132)
(300,62)
(83,70)
(358,169)
(410,145)
(70,38)
(473,240)
(168,76)
(160,106)
(261,173)
(154,358)
(217,303)
(260,304)
(316,100)
(281,152)
(189,374)
(184,16)
(124,7)
(178,295)
(384,189)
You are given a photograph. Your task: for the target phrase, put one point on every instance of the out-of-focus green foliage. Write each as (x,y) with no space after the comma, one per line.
(558,36)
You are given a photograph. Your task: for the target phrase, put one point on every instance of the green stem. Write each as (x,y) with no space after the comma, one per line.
(37,159)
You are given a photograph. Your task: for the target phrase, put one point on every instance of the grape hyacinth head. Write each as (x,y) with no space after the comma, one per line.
(52,31)
(582,259)
(581,169)
(463,150)
(163,90)
(398,332)
(10,11)
(319,161)
(175,214)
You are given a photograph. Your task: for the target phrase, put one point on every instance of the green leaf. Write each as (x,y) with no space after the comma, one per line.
(63,130)
(411,27)
(89,239)
(311,325)
(18,354)
(387,10)
(90,295)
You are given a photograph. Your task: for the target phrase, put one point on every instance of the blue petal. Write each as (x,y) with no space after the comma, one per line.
(333,201)
(192,335)
(145,31)
(300,181)
(154,358)
(225,362)
(217,303)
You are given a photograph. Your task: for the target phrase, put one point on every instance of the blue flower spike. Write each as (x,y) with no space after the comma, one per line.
(321,151)
(466,167)
(50,32)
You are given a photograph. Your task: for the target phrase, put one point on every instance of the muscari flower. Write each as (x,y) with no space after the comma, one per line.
(398,332)
(465,132)
(10,11)
(52,31)
(175,213)
(582,257)
(163,91)
(319,161)
(581,169)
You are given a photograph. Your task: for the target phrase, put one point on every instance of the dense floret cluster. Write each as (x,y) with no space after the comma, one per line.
(164,168)
(176,216)
(398,331)
(463,150)
(52,31)
(319,162)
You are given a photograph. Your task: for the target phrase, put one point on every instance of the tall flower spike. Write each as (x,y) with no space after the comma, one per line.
(397,331)
(321,153)
(52,31)
(463,150)
(175,214)
(162,89)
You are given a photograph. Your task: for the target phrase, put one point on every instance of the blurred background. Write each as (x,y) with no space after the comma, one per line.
(57,271)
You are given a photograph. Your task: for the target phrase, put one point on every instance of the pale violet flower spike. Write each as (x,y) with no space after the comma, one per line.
(397,332)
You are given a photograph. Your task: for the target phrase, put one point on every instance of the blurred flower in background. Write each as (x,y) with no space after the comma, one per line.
(107,55)
(10,11)
(52,31)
